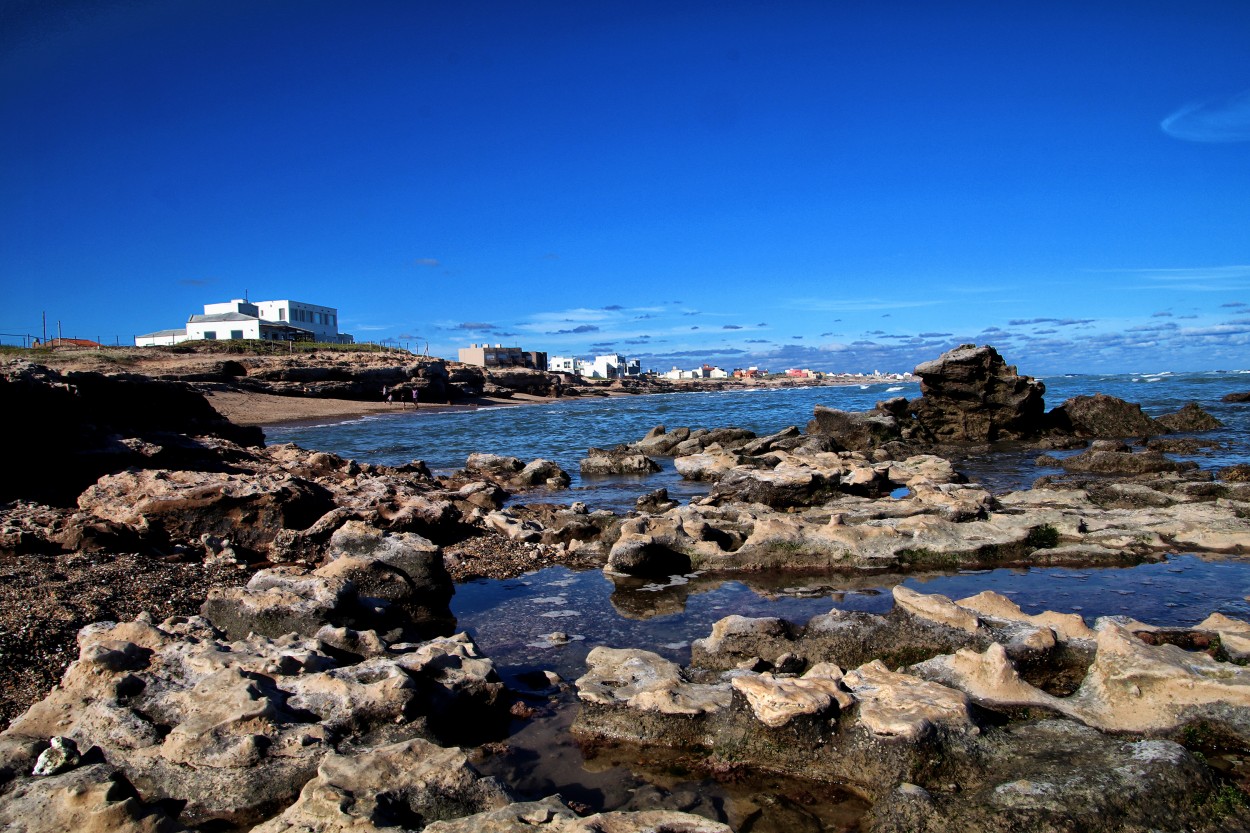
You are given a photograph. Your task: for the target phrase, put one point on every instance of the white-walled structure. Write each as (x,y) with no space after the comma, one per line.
(239,319)
(565,364)
(613,366)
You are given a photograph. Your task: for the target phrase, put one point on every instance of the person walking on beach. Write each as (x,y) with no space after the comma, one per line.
(415,404)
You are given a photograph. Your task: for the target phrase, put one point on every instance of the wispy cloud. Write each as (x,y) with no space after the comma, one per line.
(1190,278)
(428,262)
(1218,119)
(860,305)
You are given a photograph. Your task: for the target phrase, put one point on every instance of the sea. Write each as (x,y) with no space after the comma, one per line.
(546,622)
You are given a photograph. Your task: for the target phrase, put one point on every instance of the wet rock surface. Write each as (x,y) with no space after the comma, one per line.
(958,740)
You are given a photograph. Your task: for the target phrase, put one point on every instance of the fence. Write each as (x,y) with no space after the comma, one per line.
(28,340)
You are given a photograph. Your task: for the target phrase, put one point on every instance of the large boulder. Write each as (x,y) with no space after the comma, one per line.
(854,430)
(248,509)
(600,461)
(1104,416)
(427,584)
(1189,419)
(970,394)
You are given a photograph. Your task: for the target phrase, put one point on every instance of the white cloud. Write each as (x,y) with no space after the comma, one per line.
(1222,119)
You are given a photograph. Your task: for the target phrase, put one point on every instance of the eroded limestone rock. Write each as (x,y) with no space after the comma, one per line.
(396,785)
(645,680)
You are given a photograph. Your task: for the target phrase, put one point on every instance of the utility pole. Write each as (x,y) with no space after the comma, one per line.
(45,327)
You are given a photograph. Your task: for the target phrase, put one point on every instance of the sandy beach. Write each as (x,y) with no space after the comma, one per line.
(245,408)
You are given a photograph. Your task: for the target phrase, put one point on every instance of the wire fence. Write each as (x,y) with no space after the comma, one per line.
(30,340)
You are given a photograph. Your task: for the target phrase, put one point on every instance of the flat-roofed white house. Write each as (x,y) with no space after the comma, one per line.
(565,364)
(260,320)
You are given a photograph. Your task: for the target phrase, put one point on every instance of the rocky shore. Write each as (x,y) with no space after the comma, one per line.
(264,640)
(270,387)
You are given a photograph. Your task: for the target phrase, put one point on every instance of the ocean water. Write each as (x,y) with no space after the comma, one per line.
(549,620)
(563,431)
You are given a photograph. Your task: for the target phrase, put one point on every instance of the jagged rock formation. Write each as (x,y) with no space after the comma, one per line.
(970,394)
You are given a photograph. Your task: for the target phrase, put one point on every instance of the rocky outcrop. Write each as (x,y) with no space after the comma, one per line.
(855,430)
(970,394)
(1113,457)
(910,741)
(1189,419)
(248,509)
(389,786)
(232,728)
(76,427)
(1104,416)
(511,473)
(601,461)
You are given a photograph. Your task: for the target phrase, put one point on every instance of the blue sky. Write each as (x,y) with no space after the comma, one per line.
(842,186)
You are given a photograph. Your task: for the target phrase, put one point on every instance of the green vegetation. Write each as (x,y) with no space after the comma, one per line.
(928,558)
(1043,537)
(1228,800)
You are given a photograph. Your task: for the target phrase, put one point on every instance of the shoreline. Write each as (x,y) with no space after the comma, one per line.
(268,410)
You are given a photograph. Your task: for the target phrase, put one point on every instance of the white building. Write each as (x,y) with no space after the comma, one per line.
(565,364)
(263,320)
(613,366)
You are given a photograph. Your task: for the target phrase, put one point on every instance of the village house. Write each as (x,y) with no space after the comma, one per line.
(240,319)
(611,366)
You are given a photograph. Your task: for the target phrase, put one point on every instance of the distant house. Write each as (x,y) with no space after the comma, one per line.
(263,320)
(566,364)
(613,366)
(749,373)
(484,355)
(677,373)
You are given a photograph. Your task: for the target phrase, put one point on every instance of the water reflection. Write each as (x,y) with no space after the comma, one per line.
(539,628)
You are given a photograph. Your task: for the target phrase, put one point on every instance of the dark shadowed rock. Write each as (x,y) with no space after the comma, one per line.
(76,427)
(1072,778)
(1101,415)
(1189,420)
(970,394)
(655,502)
(854,430)
(1238,397)
(1109,461)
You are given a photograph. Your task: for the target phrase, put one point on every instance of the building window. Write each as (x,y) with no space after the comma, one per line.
(281,314)
(210,335)
(236,334)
